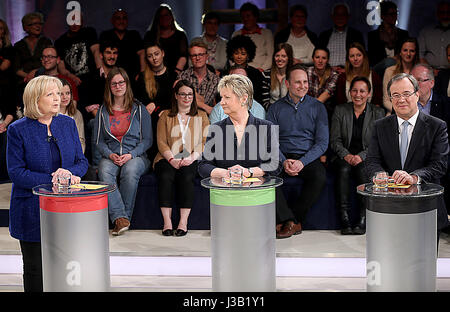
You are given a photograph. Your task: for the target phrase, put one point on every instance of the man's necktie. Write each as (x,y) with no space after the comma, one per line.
(404,142)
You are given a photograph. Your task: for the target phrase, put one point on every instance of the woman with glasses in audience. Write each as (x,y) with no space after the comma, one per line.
(350,134)
(274,87)
(42,147)
(180,143)
(123,134)
(154,87)
(69,108)
(357,65)
(407,57)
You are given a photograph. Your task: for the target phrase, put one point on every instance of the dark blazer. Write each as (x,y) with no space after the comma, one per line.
(30,164)
(353,35)
(342,128)
(440,107)
(375,46)
(427,152)
(441,82)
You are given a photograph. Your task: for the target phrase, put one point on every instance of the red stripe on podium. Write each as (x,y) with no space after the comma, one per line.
(73,204)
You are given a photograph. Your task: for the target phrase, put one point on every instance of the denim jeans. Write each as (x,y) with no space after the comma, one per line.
(121,201)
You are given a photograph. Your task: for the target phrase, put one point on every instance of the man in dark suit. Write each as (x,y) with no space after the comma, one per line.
(426,148)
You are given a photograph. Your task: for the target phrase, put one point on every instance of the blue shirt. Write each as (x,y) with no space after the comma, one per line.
(217,113)
(427,108)
(303,127)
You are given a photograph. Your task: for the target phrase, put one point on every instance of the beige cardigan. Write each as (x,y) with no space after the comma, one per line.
(168,134)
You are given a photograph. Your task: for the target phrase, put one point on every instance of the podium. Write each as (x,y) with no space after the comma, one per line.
(401,237)
(243,234)
(74,237)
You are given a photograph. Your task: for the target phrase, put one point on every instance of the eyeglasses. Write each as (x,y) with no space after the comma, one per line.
(423,80)
(48,57)
(35,24)
(186,95)
(198,55)
(119,83)
(405,95)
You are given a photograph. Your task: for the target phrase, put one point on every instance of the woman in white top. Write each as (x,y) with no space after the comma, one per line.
(69,108)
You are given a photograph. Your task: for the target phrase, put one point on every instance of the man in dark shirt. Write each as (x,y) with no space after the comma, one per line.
(129,43)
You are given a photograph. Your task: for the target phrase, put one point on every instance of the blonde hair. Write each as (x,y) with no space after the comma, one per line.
(240,85)
(34,89)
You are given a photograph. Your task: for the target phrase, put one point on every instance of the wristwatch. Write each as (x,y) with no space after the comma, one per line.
(251,172)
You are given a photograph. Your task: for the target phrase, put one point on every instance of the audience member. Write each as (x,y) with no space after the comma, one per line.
(180,144)
(384,41)
(7,93)
(357,64)
(165,31)
(274,87)
(407,57)
(217,53)
(129,42)
(204,81)
(442,86)
(69,108)
(339,38)
(50,61)
(241,51)
(154,88)
(256,109)
(262,37)
(123,134)
(42,147)
(434,39)
(322,79)
(351,128)
(302,40)
(303,136)
(79,50)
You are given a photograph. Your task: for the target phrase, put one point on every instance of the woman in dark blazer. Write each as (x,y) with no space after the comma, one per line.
(41,147)
(350,132)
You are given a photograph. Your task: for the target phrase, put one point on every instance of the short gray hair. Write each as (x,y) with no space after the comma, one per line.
(30,16)
(34,89)
(430,70)
(400,77)
(240,85)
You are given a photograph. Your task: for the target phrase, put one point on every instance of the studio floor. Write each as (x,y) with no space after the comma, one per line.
(146,261)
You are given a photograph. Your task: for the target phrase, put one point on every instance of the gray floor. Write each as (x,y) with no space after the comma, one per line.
(147,261)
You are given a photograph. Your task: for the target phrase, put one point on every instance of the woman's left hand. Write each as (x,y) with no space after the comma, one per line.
(187,161)
(124,159)
(64,173)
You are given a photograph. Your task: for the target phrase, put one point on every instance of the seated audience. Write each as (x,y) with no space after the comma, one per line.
(303,136)
(256,109)
(241,51)
(154,87)
(357,64)
(129,42)
(302,40)
(274,87)
(165,31)
(180,144)
(123,134)
(407,57)
(262,37)
(217,53)
(7,92)
(384,41)
(42,147)
(351,128)
(339,38)
(204,81)
(69,108)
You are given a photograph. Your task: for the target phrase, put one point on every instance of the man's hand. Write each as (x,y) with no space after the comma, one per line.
(292,166)
(402,177)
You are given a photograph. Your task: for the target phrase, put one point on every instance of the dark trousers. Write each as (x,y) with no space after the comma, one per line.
(344,172)
(314,179)
(170,178)
(32,266)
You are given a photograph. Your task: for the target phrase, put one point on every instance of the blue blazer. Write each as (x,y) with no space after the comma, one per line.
(29,165)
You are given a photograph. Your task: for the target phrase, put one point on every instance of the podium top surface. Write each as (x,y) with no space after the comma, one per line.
(253,183)
(413,191)
(85,188)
